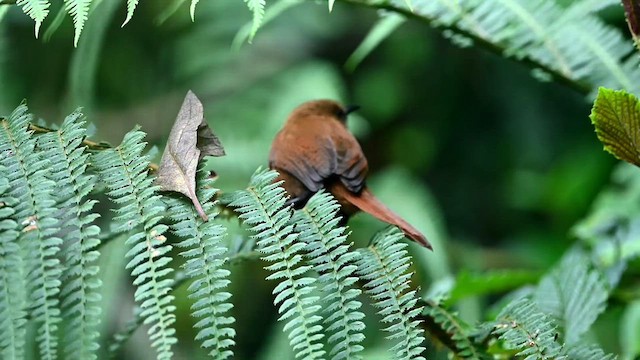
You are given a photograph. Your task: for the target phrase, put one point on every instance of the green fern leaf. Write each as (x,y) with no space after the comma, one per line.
(131,7)
(81,295)
(257,8)
(456,329)
(262,206)
(34,211)
(192,9)
(384,266)
(588,353)
(573,44)
(36,9)
(524,328)
(12,294)
(573,294)
(79,11)
(124,170)
(330,256)
(205,258)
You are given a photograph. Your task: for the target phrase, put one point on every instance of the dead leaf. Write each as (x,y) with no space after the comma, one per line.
(190,140)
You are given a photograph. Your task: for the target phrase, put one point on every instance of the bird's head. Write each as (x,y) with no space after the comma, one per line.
(325,108)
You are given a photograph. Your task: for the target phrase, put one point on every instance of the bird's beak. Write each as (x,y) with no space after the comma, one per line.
(351,108)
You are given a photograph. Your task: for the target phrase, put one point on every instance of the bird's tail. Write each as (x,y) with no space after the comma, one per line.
(368,203)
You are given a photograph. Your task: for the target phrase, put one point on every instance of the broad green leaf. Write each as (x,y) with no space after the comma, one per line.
(474,284)
(189,141)
(616,117)
(574,294)
(630,331)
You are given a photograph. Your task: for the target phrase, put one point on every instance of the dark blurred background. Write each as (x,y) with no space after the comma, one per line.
(492,164)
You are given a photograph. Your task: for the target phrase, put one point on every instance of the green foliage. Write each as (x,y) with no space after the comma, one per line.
(124,171)
(262,206)
(36,9)
(80,294)
(26,168)
(79,11)
(456,329)
(384,266)
(330,256)
(573,294)
(525,328)
(206,257)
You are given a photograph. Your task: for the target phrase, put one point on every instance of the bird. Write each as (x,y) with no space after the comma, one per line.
(315,150)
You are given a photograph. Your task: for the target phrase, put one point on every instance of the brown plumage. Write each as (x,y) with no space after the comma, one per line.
(315,150)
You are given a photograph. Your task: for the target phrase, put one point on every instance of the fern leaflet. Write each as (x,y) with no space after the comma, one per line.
(124,171)
(37,10)
(79,11)
(573,294)
(26,169)
(330,256)
(12,294)
(523,327)
(257,8)
(81,295)
(262,206)
(131,7)
(456,329)
(383,265)
(205,259)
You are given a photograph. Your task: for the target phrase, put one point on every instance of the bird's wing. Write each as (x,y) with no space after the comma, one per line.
(351,164)
(317,154)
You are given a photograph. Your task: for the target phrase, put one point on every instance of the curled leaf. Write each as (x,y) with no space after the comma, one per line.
(190,140)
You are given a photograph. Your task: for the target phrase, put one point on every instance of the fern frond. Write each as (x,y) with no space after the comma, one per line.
(34,211)
(205,257)
(79,11)
(12,294)
(572,44)
(124,170)
(37,10)
(330,256)
(573,294)
(262,206)
(588,353)
(384,266)
(456,329)
(81,295)
(524,328)
(131,7)
(257,8)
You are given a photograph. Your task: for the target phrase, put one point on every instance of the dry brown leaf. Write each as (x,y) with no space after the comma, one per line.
(190,140)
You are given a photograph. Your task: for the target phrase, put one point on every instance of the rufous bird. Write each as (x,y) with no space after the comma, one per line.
(316,150)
